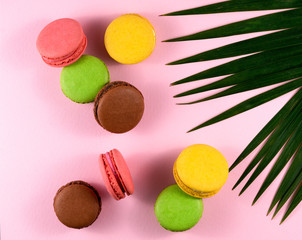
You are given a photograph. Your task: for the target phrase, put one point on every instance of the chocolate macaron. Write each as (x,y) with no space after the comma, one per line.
(77,204)
(119,107)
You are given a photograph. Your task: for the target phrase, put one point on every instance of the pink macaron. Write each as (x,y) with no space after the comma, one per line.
(116,174)
(61,42)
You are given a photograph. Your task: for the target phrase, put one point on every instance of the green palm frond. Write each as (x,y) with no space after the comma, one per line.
(274,21)
(275,58)
(278,40)
(238,6)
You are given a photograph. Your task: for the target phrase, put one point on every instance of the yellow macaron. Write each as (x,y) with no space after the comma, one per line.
(130,39)
(200,170)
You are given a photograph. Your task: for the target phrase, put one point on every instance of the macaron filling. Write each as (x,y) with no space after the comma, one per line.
(110,160)
(190,191)
(69,57)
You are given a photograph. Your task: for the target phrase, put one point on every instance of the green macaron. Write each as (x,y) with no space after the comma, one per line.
(177,211)
(82,80)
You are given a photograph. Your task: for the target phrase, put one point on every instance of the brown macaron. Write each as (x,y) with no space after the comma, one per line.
(77,204)
(119,107)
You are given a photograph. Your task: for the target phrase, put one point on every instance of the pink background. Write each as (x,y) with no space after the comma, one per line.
(46,140)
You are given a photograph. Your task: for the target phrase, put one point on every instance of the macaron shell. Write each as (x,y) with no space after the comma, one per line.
(67,60)
(202,168)
(82,80)
(77,204)
(123,171)
(190,191)
(119,107)
(110,181)
(130,39)
(177,211)
(60,38)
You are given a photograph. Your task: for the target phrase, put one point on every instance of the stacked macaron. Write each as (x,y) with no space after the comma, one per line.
(61,42)
(129,39)
(200,171)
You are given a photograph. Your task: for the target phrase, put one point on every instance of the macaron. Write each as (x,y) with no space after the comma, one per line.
(82,80)
(200,170)
(118,107)
(130,39)
(116,174)
(77,204)
(177,211)
(61,42)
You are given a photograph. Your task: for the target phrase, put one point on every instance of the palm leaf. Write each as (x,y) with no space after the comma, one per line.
(277,40)
(256,74)
(239,6)
(256,83)
(252,103)
(293,172)
(275,58)
(244,63)
(296,200)
(279,136)
(288,193)
(274,21)
(291,146)
(269,127)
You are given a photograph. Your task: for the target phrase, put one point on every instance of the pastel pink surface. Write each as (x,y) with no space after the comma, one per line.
(61,42)
(122,171)
(46,140)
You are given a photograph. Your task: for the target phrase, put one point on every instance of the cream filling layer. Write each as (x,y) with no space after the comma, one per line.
(111,164)
(189,190)
(67,58)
